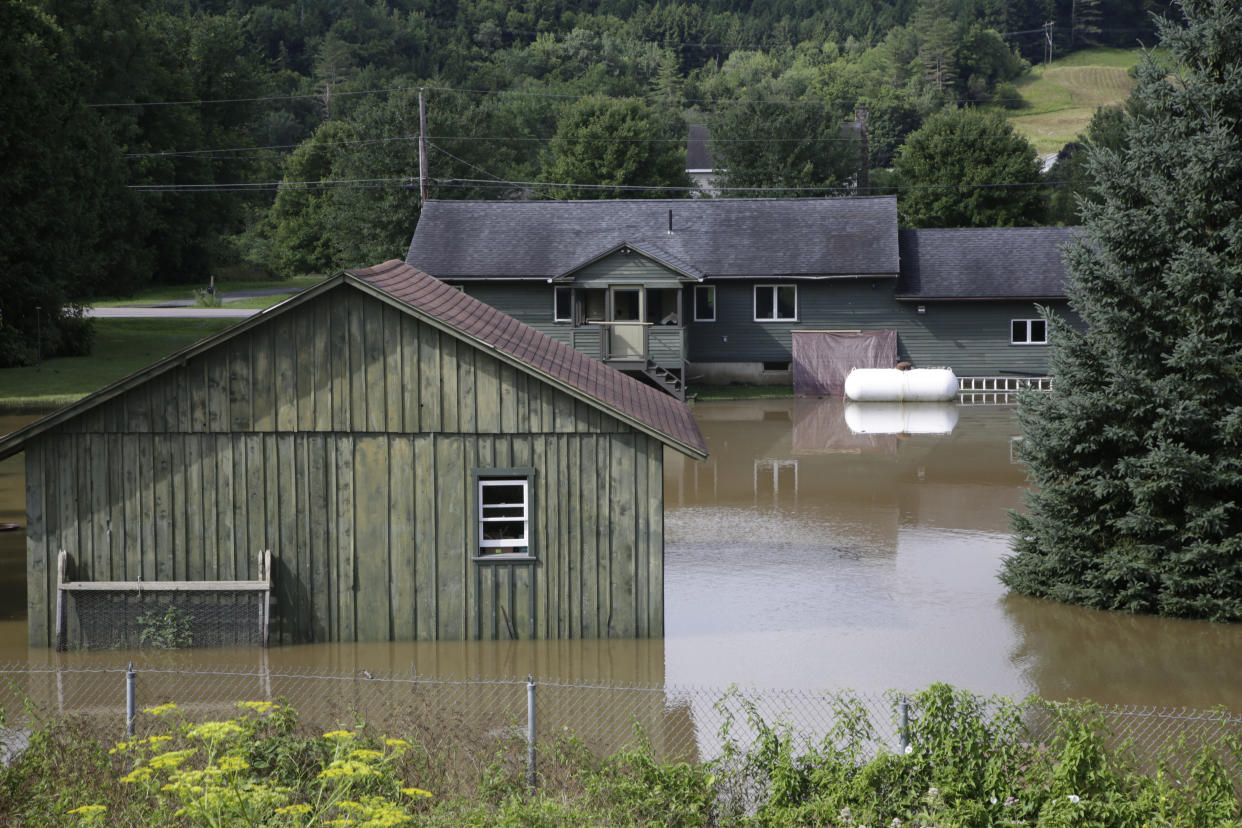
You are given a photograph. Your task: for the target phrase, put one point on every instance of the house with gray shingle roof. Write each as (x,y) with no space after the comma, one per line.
(420,464)
(725,290)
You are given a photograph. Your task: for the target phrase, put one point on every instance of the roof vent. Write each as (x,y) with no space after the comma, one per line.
(670,220)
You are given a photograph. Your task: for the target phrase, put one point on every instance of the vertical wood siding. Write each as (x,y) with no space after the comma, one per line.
(342,435)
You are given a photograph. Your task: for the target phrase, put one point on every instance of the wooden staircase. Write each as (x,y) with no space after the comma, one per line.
(666,379)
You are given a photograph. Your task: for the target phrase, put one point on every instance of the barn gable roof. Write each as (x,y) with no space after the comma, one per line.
(625,398)
(983,263)
(721,238)
(622,396)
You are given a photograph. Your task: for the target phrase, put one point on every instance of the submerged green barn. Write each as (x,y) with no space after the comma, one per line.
(421,466)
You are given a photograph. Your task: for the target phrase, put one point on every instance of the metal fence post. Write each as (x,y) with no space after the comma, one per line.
(903,722)
(129,700)
(530,732)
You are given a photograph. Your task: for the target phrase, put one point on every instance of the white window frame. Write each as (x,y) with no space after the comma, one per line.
(775,288)
(695,299)
(1026,326)
(556,294)
(504,549)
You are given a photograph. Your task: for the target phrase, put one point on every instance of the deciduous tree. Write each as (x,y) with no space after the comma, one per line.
(966,168)
(615,142)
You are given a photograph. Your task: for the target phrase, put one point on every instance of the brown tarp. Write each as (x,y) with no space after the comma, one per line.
(821,359)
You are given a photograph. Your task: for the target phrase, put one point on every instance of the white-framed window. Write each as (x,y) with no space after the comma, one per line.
(503,510)
(1028,332)
(563,305)
(704,303)
(776,303)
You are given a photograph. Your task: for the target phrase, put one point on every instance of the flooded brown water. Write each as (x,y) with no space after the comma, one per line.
(803,554)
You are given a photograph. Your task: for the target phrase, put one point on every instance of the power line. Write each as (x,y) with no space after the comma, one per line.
(268,148)
(477,183)
(464,161)
(511,92)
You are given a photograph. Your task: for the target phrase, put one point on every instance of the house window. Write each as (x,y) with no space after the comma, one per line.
(503,514)
(704,303)
(1028,332)
(564,305)
(776,303)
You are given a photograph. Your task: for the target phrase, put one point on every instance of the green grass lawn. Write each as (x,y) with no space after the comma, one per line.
(705,393)
(1061,98)
(122,346)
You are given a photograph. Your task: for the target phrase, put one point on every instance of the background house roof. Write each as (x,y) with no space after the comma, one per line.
(721,238)
(983,263)
(661,414)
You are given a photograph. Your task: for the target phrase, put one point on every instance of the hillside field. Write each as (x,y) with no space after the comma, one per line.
(1061,98)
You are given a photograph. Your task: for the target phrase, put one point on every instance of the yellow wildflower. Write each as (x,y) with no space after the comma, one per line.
(366,755)
(342,768)
(215,731)
(395,743)
(293,810)
(231,763)
(417,792)
(256,706)
(89,810)
(172,759)
(161,710)
(141,774)
(338,734)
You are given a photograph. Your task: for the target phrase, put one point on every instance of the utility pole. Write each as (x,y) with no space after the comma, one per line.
(864,167)
(1048,42)
(422,148)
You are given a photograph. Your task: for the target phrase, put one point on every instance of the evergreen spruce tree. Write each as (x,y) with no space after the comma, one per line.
(1136,453)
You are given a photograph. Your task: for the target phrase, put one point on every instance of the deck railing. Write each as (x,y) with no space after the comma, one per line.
(663,344)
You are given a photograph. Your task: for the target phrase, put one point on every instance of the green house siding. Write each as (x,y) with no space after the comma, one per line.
(845,304)
(529,302)
(342,435)
(973,338)
(625,269)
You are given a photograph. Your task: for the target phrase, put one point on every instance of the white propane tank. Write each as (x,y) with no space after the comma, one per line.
(901,418)
(891,385)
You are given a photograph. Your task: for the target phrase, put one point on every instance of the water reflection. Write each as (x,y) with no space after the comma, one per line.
(901,418)
(804,554)
(1070,652)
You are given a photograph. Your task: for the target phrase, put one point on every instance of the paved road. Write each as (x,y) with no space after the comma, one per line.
(170,313)
(231,296)
(187,308)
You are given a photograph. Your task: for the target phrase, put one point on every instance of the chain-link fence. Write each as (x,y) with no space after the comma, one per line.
(470,718)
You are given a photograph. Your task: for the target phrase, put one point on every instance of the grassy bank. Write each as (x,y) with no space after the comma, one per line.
(970,761)
(122,346)
(708,393)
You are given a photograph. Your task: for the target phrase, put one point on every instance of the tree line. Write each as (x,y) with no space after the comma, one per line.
(167,142)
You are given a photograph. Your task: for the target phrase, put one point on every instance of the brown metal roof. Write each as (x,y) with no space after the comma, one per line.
(618,394)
